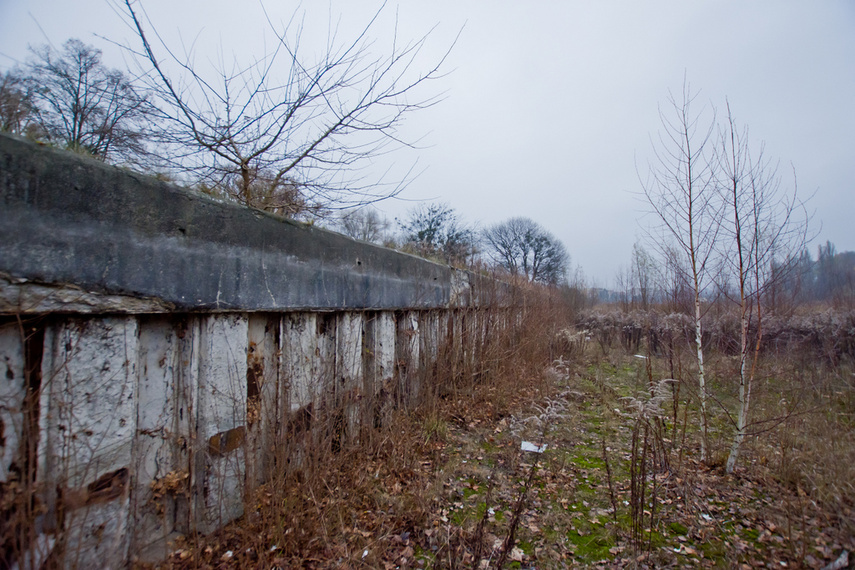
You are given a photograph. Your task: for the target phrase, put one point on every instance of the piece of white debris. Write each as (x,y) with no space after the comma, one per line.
(529,446)
(365,553)
(840,563)
(706,517)
(641,356)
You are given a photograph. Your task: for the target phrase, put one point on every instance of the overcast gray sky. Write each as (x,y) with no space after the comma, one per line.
(549,106)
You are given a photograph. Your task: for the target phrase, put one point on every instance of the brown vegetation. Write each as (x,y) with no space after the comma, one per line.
(620,483)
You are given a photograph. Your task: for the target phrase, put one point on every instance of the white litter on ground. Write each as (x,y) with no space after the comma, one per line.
(529,446)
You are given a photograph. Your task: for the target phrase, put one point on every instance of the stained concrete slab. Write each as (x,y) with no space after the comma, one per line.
(68,219)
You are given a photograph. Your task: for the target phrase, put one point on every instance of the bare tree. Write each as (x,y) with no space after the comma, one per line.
(523,247)
(681,191)
(366,224)
(435,230)
(16,103)
(643,276)
(767,229)
(505,243)
(290,143)
(623,288)
(576,292)
(675,279)
(85,106)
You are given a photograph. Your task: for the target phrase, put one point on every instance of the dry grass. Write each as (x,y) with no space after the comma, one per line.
(443,483)
(801,451)
(372,501)
(446,486)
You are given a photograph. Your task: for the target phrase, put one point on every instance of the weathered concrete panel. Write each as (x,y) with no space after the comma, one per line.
(97,533)
(454,346)
(66,219)
(378,366)
(349,388)
(348,351)
(88,423)
(467,320)
(429,340)
(263,409)
(308,357)
(12,393)
(161,468)
(407,361)
(379,350)
(384,347)
(221,420)
(88,390)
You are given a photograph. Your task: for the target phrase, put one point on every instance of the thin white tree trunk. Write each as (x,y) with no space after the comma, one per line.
(701,375)
(744,395)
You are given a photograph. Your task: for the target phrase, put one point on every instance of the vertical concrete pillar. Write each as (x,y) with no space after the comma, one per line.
(384,348)
(468,322)
(483,338)
(168,384)
(299,345)
(407,356)
(308,357)
(454,343)
(220,459)
(262,401)
(430,336)
(378,365)
(88,423)
(13,390)
(308,373)
(21,349)
(348,371)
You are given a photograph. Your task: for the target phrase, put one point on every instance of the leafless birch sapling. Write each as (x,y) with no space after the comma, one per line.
(680,189)
(765,229)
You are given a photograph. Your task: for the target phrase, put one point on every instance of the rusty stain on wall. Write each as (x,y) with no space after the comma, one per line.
(226,441)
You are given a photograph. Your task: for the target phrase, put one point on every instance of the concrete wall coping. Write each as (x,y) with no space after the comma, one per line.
(70,223)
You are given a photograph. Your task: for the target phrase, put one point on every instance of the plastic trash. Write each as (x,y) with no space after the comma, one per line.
(529,446)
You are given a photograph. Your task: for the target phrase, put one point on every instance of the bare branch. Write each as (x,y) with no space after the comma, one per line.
(296,143)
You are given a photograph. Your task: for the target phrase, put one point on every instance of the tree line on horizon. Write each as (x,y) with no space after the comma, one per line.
(519,246)
(828,278)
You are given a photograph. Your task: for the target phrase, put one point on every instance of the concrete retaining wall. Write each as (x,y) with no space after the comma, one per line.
(159,348)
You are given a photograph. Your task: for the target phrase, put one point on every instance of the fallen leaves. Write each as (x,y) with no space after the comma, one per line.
(428,506)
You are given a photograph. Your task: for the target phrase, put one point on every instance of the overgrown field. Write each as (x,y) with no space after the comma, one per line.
(619,483)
